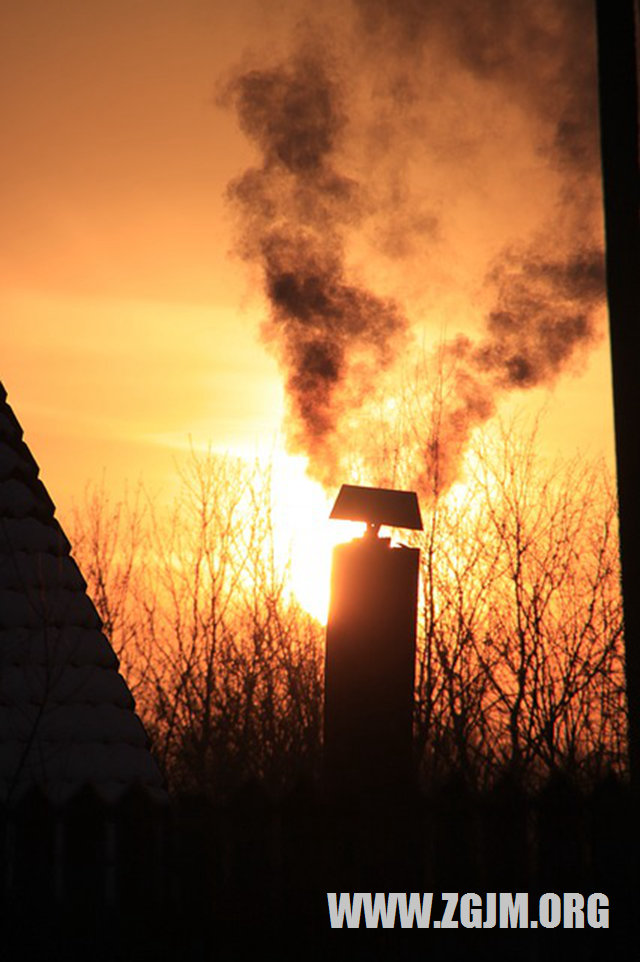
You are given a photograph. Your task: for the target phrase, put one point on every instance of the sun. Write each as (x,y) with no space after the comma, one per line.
(304,535)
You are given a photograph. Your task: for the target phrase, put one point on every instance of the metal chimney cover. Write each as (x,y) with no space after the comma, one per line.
(376,506)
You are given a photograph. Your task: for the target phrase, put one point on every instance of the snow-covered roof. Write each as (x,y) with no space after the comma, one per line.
(67,718)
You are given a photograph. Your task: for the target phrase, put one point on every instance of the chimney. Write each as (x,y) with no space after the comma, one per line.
(370,650)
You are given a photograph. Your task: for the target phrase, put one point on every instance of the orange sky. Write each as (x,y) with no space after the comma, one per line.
(127,325)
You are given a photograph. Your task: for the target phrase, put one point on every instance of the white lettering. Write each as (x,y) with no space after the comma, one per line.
(550,910)
(415,910)
(490,920)
(383,910)
(347,908)
(380,910)
(573,910)
(514,910)
(598,911)
(471,911)
(451,899)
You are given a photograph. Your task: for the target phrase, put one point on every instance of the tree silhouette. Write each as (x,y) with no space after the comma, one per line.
(520,651)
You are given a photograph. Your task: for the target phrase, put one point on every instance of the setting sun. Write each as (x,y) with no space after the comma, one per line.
(264,263)
(226,246)
(304,533)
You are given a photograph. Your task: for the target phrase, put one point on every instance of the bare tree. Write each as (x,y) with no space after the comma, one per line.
(521,643)
(520,664)
(227,666)
(109,539)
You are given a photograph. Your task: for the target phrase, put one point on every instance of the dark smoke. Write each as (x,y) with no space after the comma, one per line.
(545,311)
(543,317)
(542,52)
(547,291)
(322,325)
(333,335)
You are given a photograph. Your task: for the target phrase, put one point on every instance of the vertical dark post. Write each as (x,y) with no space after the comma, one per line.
(618,89)
(369,673)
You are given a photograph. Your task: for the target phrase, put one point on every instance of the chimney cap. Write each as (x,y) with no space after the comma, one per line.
(376,506)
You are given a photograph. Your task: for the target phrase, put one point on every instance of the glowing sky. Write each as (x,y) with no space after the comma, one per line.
(128,326)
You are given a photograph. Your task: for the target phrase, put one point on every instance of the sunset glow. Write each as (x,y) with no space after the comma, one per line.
(305,534)
(265,262)
(133,331)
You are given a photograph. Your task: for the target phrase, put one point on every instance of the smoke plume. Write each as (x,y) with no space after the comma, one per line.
(405,90)
(547,290)
(544,314)
(331,335)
